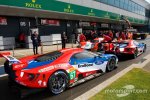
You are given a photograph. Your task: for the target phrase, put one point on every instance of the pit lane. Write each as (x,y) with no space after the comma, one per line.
(71,93)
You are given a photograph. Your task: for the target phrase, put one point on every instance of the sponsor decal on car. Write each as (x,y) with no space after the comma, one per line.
(46,69)
(87,45)
(53,67)
(99,62)
(61,65)
(85,65)
(72,74)
(19,66)
(87,74)
(40,82)
(71,69)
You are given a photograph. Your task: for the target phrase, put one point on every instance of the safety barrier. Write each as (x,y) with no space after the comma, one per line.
(45,47)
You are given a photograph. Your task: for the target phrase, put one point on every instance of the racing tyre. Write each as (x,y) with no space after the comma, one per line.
(111,64)
(135,54)
(58,82)
(143,37)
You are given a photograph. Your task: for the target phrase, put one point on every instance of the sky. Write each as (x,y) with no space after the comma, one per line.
(148,1)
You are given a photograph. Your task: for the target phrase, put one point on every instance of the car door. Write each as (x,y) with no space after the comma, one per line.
(87,61)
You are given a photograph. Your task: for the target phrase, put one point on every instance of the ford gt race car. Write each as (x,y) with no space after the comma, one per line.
(59,69)
(126,47)
(91,45)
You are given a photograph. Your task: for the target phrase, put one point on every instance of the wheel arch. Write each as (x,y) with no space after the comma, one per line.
(57,71)
(113,57)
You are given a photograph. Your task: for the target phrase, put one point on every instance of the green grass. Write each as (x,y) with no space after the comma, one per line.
(138,78)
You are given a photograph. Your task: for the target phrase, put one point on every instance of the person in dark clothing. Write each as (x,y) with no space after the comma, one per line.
(94,35)
(88,35)
(100,47)
(63,39)
(100,34)
(35,41)
(76,37)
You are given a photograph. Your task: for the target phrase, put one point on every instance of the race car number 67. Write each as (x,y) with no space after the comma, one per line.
(72,75)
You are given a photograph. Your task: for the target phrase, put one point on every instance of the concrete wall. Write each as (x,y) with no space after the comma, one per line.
(7,42)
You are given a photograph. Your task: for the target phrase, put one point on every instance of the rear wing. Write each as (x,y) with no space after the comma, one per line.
(8,57)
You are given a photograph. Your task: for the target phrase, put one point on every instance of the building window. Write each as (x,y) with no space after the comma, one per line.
(111,2)
(104,1)
(121,3)
(117,2)
(128,5)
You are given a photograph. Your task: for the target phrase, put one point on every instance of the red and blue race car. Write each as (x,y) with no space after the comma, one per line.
(59,69)
(91,45)
(125,47)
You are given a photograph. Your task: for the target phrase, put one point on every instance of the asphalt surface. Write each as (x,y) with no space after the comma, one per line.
(71,93)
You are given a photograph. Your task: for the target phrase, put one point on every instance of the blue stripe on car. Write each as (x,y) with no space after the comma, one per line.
(35,64)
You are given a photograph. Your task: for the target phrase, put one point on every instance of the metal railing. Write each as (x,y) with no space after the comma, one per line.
(45,47)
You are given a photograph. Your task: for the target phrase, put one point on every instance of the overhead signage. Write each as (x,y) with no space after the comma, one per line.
(50,22)
(65,7)
(93,23)
(22,23)
(33,4)
(91,13)
(104,25)
(68,9)
(84,23)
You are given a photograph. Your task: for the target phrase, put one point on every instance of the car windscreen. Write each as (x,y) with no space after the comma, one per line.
(84,55)
(49,56)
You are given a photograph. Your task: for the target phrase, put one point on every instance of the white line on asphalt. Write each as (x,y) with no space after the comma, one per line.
(3,75)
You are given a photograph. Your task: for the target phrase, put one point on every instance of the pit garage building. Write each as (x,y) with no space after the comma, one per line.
(52,17)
